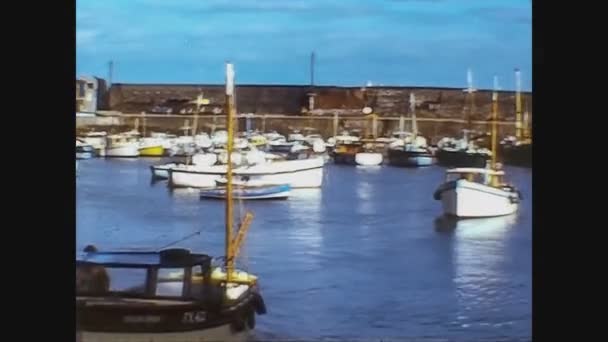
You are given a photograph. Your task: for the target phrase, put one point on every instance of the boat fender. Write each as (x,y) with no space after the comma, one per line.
(437,195)
(258,304)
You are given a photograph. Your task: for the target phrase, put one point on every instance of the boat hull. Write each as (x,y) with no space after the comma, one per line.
(161,171)
(409,158)
(220,333)
(122,152)
(152,151)
(465,199)
(368,159)
(518,155)
(461,159)
(306,173)
(345,158)
(253,193)
(85,155)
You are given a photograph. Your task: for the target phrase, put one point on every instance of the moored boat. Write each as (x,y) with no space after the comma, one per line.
(246,192)
(479,192)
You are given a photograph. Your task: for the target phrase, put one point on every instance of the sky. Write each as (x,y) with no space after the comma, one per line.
(386,42)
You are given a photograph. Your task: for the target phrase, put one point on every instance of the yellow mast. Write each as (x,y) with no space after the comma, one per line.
(494,126)
(518,119)
(230,128)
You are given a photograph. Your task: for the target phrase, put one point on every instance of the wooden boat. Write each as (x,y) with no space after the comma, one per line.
(248,192)
(479,192)
(171,294)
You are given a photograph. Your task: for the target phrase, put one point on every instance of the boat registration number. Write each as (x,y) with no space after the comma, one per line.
(194,317)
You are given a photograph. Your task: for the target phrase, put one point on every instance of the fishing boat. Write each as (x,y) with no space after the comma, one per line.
(98,140)
(464,152)
(517,150)
(84,150)
(479,192)
(122,145)
(248,192)
(169,294)
(411,150)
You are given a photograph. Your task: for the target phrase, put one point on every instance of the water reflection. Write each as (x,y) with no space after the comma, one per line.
(479,263)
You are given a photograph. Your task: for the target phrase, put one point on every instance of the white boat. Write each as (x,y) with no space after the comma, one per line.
(84,150)
(479,192)
(121,145)
(98,140)
(468,192)
(368,158)
(200,159)
(301,173)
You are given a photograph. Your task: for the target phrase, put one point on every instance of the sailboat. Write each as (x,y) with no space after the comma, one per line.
(463,152)
(171,294)
(414,151)
(479,192)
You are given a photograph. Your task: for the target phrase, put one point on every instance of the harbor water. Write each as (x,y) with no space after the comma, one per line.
(366,256)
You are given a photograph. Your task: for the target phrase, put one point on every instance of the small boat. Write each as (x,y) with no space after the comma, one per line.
(411,150)
(476,192)
(461,153)
(345,152)
(123,146)
(247,192)
(151,147)
(371,154)
(517,152)
(84,150)
(98,140)
(479,192)
(167,295)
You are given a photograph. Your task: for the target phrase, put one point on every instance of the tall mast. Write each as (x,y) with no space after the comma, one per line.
(230,128)
(518,119)
(413,114)
(471,92)
(494,121)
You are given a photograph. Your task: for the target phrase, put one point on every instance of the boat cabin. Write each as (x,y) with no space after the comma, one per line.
(477,175)
(143,274)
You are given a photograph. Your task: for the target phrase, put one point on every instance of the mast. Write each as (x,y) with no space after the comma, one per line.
(494,121)
(471,92)
(518,119)
(230,128)
(413,114)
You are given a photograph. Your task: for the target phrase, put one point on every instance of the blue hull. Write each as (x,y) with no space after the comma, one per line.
(262,192)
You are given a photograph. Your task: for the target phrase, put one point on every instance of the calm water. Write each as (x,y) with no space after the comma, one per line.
(365,256)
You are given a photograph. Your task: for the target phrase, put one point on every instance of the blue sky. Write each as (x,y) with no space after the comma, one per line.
(388,42)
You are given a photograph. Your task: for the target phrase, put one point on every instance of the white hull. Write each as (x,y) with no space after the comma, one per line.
(368,159)
(220,333)
(305,173)
(162,171)
(470,199)
(123,151)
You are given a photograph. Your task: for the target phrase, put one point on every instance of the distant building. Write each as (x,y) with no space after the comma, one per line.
(91,94)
